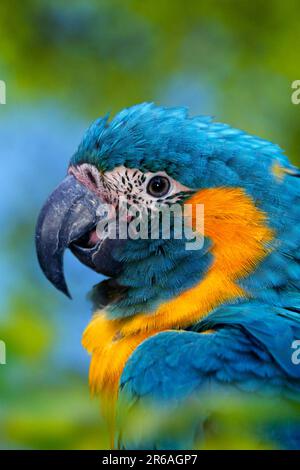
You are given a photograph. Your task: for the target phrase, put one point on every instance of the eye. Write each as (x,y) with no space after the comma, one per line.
(158,186)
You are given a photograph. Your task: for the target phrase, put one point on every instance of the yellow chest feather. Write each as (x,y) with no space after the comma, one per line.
(240,237)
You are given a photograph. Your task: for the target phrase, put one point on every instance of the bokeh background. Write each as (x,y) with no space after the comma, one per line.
(65,63)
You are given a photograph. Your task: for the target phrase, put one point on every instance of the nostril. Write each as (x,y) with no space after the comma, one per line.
(88,175)
(91,177)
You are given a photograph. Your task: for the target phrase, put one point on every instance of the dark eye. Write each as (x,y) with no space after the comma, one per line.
(158,186)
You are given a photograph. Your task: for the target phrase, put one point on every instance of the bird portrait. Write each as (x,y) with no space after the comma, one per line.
(172,322)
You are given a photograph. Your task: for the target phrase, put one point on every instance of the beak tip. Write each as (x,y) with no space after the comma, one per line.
(66,291)
(60,284)
(68,295)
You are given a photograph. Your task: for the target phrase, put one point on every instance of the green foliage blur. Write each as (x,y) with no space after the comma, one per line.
(64,64)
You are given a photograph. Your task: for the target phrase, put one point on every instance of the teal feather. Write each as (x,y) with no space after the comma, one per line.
(250,350)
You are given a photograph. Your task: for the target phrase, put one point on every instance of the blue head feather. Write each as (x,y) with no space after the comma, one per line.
(198,153)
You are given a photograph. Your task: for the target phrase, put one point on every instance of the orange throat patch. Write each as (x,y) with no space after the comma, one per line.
(240,240)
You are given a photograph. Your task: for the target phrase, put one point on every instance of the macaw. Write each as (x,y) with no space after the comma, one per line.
(172,322)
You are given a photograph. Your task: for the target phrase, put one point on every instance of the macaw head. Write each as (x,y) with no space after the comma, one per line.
(154,158)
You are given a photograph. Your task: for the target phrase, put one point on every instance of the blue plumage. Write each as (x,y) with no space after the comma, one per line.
(201,154)
(249,352)
(250,348)
(241,350)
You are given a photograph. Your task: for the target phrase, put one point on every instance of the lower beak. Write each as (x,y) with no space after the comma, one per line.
(68,220)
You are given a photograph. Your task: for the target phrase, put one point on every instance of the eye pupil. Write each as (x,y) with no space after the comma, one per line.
(158,186)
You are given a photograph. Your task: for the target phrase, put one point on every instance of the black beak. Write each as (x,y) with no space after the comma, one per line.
(68,220)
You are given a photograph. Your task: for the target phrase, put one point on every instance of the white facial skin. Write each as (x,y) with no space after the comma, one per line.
(128,183)
(129,186)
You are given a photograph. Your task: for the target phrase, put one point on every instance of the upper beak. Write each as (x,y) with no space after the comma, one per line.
(68,220)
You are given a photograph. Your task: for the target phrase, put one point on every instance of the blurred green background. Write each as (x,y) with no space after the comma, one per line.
(66,63)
